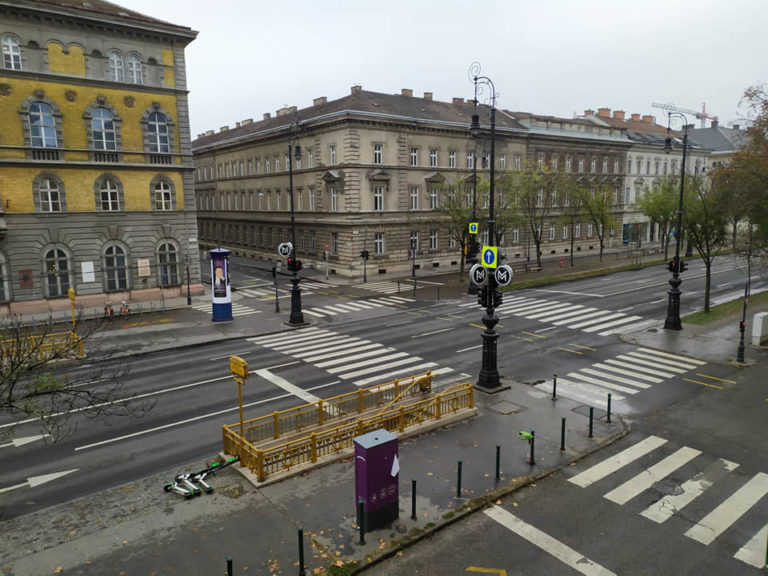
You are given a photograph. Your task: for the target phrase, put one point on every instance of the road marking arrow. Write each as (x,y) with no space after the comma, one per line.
(16,442)
(34,481)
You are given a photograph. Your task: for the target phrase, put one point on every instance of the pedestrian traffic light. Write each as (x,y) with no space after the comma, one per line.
(672,266)
(291,265)
(364,254)
(482,296)
(683,265)
(742,325)
(497,297)
(299,265)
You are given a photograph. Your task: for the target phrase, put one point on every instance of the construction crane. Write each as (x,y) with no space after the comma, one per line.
(702,116)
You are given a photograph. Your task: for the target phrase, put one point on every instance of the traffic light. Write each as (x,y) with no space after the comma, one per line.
(683,265)
(497,297)
(299,265)
(482,296)
(364,254)
(672,266)
(291,265)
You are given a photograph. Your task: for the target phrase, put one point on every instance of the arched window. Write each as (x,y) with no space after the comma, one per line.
(57,272)
(11,53)
(103,130)
(49,195)
(42,125)
(5,289)
(167,265)
(162,195)
(135,72)
(157,133)
(115,268)
(116,70)
(109,196)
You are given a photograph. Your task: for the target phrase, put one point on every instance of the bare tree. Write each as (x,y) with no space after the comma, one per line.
(597,203)
(41,378)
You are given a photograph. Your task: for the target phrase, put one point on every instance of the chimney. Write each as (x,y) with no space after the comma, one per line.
(648,119)
(458,101)
(209,133)
(589,112)
(356,89)
(318,101)
(618,114)
(715,123)
(247,121)
(286,110)
(636,117)
(267,116)
(407,92)
(427,95)
(223,128)
(604,112)
(237,124)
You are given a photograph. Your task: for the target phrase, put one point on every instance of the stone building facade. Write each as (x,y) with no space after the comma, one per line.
(373,168)
(95,160)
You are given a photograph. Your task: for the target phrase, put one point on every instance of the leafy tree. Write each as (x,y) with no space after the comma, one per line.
(660,204)
(454,213)
(37,385)
(704,222)
(572,210)
(598,206)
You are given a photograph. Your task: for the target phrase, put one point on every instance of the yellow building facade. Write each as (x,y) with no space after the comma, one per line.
(96,185)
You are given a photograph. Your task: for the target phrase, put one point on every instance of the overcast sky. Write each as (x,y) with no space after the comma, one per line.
(554,57)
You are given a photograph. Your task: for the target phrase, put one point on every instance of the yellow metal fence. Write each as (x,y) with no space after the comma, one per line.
(62,344)
(265,461)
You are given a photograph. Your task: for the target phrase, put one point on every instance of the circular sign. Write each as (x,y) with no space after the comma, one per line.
(285,249)
(478,275)
(504,274)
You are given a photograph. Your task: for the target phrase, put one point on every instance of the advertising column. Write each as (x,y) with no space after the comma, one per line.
(220,291)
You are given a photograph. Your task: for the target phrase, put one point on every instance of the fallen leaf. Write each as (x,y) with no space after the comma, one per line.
(514,504)
(58,570)
(498,502)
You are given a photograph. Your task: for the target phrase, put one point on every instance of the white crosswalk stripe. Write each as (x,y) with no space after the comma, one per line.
(627,374)
(351,358)
(391,286)
(237,309)
(711,524)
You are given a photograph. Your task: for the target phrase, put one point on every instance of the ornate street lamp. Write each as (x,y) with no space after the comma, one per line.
(294,151)
(672,321)
(489,372)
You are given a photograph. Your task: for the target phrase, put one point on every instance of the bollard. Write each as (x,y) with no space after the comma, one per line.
(413,498)
(438,293)
(608,419)
(230,570)
(591,415)
(498,461)
(533,440)
(398,286)
(562,434)
(414,287)
(458,482)
(302,571)
(361,520)
(554,387)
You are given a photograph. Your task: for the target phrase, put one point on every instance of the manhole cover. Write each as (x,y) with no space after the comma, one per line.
(668,487)
(506,408)
(584,411)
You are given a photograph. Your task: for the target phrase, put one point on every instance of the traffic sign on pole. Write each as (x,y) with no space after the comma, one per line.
(473,227)
(504,274)
(478,275)
(285,249)
(490,256)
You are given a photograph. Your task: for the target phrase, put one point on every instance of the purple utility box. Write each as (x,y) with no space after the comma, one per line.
(377,475)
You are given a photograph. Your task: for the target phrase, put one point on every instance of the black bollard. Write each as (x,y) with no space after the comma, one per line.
(554,387)
(608,419)
(591,415)
(230,570)
(498,462)
(562,434)
(458,482)
(533,440)
(413,499)
(302,571)
(361,519)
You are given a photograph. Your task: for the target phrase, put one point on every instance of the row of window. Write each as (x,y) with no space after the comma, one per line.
(127,69)
(103,128)
(660,167)
(117,273)
(252,235)
(50,194)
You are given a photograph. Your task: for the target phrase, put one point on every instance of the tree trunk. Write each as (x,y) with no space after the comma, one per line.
(572,242)
(708,283)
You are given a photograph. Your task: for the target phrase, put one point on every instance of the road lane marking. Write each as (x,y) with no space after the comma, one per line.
(661,510)
(431,333)
(617,461)
(635,486)
(673,356)
(703,383)
(717,521)
(754,551)
(547,543)
(571,351)
(571,293)
(534,335)
(480,346)
(714,378)
(584,347)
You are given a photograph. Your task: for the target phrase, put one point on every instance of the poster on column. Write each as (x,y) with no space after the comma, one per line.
(219,264)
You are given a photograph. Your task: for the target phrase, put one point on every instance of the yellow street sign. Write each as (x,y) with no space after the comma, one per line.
(473,227)
(490,256)
(238,367)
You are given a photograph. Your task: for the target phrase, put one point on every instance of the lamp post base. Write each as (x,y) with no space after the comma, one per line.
(672,321)
(296,318)
(489,371)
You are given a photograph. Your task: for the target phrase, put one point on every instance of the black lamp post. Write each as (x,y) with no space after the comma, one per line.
(672,321)
(472,252)
(489,372)
(297,317)
(189,292)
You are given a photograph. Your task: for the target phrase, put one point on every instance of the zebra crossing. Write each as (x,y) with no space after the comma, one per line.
(623,375)
(237,309)
(356,306)
(361,361)
(709,523)
(575,316)
(267,291)
(390,286)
